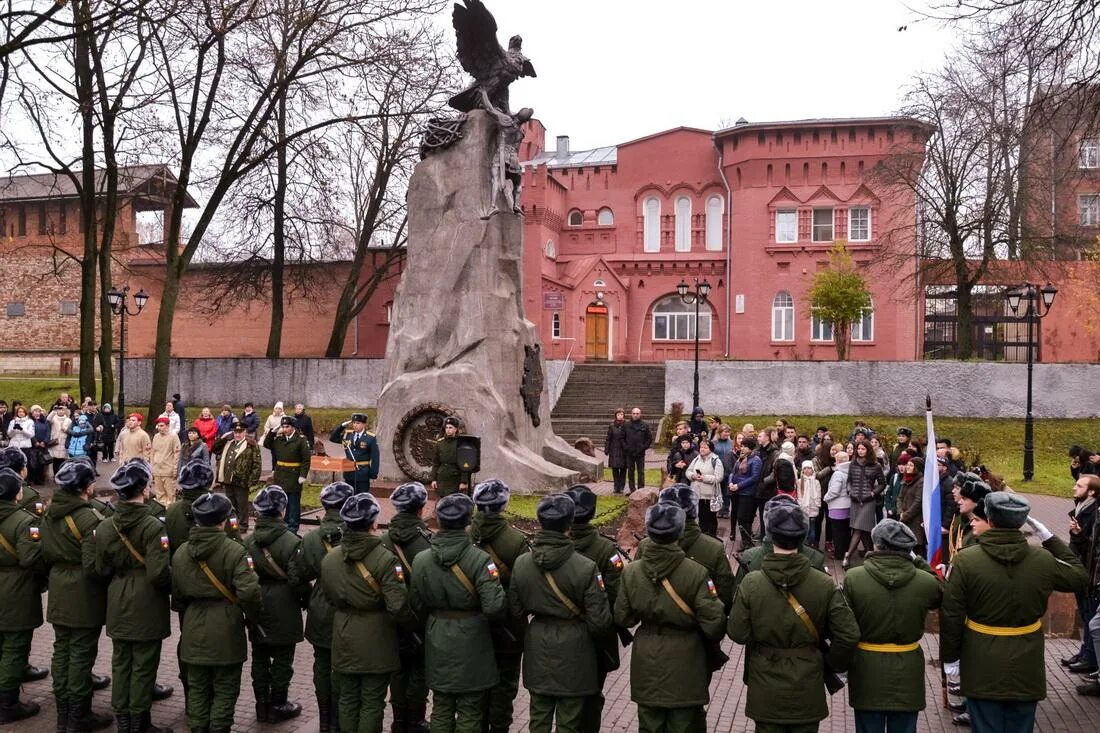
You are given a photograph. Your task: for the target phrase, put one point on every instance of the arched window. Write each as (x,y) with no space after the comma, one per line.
(605,218)
(783,317)
(714,223)
(651,225)
(576,218)
(683,224)
(864,328)
(674,320)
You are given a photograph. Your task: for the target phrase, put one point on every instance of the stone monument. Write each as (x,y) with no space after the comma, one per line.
(458,342)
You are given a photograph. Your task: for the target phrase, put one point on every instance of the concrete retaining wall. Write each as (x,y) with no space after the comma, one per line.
(316,382)
(961,389)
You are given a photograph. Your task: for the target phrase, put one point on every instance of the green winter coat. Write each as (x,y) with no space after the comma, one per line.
(458,646)
(273,547)
(137,597)
(78,596)
(1002,581)
(445,470)
(890,595)
(212,630)
(20,584)
(32,501)
(406,537)
(783,668)
(668,666)
(560,647)
(294,453)
(753,558)
(610,562)
(364,628)
(242,471)
(305,568)
(504,545)
(178,521)
(711,554)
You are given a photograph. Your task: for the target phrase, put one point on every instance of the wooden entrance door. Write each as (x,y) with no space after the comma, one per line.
(595,332)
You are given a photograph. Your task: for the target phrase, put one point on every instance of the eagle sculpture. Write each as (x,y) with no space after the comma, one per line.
(493,68)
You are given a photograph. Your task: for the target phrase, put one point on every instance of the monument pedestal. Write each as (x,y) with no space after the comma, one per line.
(458,342)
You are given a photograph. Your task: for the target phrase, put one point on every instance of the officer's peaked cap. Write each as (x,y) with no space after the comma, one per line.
(492,494)
(890,534)
(335,494)
(664,523)
(907,432)
(1006,510)
(360,511)
(74,476)
(454,511)
(409,497)
(555,512)
(130,480)
(289,420)
(10,483)
(271,501)
(211,509)
(196,475)
(584,503)
(683,496)
(358,417)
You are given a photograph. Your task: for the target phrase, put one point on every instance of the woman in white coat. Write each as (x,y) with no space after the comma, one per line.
(705,473)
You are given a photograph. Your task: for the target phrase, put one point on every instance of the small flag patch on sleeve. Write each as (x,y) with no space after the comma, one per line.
(617,561)
(164,542)
(711,589)
(35,533)
(492,568)
(248,559)
(599,581)
(39,508)
(399,572)
(233,523)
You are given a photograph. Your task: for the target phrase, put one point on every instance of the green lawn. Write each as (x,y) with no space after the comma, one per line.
(38,391)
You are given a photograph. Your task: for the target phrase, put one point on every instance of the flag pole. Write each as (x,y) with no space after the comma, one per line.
(943,672)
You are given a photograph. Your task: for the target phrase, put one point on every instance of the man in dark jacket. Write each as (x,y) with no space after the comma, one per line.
(447,476)
(305,568)
(406,537)
(638,438)
(272,546)
(993,606)
(305,423)
(21,593)
(361,448)
(767,450)
(563,593)
(504,543)
(251,420)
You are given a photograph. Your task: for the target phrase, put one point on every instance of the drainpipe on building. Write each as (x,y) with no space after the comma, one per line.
(729,241)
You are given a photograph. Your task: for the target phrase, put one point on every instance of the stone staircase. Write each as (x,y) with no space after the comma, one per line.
(595,390)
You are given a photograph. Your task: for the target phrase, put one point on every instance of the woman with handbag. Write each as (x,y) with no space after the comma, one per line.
(705,473)
(60,420)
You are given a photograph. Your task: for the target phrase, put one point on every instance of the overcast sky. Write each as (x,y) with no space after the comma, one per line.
(614,70)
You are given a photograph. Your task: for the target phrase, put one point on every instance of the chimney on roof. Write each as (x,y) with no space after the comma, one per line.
(740,121)
(563,146)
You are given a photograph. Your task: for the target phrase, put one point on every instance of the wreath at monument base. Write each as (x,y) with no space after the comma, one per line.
(415,438)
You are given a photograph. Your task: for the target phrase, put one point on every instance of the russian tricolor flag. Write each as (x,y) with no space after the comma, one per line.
(930,501)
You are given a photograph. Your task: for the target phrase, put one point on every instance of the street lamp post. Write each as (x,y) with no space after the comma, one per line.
(697,296)
(117,300)
(1037,302)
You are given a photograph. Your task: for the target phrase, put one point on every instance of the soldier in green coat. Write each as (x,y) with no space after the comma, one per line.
(273,547)
(214,582)
(456,587)
(702,548)
(563,593)
(77,603)
(305,568)
(365,583)
(782,612)
(290,456)
(993,608)
(406,537)
(890,595)
(753,558)
(504,543)
(679,610)
(239,464)
(447,476)
(131,550)
(970,490)
(20,594)
(610,562)
(195,480)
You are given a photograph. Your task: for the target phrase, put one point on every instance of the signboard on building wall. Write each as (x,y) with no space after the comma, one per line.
(553,300)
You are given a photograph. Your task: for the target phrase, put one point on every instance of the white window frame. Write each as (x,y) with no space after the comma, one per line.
(580,218)
(821,329)
(678,325)
(607,221)
(715,207)
(651,224)
(1088,209)
(863,330)
(555,326)
(783,316)
(682,208)
(794,229)
(851,224)
(814,226)
(1088,153)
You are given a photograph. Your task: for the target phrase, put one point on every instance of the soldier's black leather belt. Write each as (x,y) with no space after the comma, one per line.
(456,614)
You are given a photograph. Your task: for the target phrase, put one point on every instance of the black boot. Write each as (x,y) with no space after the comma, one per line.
(281,709)
(400,719)
(62,714)
(32,673)
(124,723)
(324,713)
(82,718)
(100,682)
(12,709)
(162,692)
(143,723)
(417,713)
(334,715)
(263,710)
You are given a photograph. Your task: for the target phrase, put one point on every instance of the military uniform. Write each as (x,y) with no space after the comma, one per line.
(458,644)
(753,559)
(77,603)
(669,675)
(132,551)
(365,583)
(406,537)
(273,547)
(362,449)
(290,458)
(239,464)
(563,593)
(504,544)
(212,643)
(21,589)
(445,469)
(33,502)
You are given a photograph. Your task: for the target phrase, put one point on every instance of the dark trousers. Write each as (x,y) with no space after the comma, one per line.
(239,496)
(212,693)
(108,449)
(134,667)
(294,510)
(1086,609)
(991,716)
(635,470)
(15,647)
(708,520)
(501,699)
(618,475)
(74,653)
(272,669)
(671,720)
(545,709)
(592,715)
(362,701)
(839,530)
(874,721)
(746,510)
